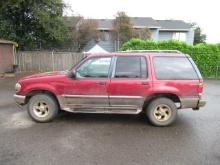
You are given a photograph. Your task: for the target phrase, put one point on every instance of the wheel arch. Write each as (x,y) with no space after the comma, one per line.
(154,96)
(41,91)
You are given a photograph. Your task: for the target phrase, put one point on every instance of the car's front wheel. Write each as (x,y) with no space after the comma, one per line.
(42,108)
(161,112)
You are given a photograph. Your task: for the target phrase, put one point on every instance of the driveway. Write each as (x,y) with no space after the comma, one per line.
(88,139)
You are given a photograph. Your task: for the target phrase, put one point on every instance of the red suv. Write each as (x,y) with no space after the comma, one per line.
(154,82)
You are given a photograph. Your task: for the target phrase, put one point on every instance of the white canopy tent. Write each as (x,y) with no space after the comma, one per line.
(97,49)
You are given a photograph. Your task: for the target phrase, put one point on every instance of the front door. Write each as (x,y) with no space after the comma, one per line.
(130,82)
(89,88)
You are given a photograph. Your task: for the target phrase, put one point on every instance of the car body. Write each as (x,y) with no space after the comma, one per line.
(118,82)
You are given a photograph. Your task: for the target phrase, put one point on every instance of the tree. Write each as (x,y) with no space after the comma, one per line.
(122,27)
(86,30)
(142,33)
(199,37)
(33,24)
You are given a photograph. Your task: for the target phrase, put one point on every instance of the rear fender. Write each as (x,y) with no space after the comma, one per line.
(167,89)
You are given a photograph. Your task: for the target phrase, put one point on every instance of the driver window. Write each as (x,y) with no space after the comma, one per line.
(97,67)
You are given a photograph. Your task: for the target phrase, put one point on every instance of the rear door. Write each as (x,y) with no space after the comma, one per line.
(130,82)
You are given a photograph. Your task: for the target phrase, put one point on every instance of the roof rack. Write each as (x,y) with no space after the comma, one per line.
(153,51)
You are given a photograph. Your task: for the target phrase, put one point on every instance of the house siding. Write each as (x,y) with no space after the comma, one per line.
(190,37)
(108,45)
(160,30)
(154,34)
(168,35)
(163,35)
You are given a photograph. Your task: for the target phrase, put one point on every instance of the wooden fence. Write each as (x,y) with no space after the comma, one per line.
(42,61)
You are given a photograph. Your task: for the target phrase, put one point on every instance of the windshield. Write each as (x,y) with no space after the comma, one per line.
(77,63)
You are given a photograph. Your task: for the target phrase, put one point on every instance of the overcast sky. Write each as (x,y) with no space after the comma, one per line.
(206,13)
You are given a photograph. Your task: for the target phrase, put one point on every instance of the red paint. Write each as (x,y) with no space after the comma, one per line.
(59,83)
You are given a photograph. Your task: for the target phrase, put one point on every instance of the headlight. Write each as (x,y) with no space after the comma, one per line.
(17,87)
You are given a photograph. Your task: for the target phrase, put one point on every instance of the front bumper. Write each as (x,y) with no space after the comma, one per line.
(194,102)
(19,99)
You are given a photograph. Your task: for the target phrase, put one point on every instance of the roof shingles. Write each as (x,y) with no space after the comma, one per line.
(105,23)
(140,22)
(174,24)
(144,22)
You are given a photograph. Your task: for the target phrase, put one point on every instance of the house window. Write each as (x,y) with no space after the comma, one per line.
(107,36)
(180,36)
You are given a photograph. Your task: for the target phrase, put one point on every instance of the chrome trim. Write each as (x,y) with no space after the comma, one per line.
(85,96)
(19,99)
(127,97)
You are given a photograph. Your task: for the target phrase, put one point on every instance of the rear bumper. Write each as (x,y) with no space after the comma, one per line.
(194,102)
(19,99)
(201,103)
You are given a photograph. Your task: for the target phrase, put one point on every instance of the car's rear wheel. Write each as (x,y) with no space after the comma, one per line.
(161,112)
(42,108)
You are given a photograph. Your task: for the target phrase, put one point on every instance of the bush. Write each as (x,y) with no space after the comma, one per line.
(206,56)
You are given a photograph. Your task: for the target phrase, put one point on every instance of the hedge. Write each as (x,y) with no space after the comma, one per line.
(206,56)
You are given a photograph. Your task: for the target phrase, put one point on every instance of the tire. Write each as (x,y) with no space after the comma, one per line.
(161,112)
(42,108)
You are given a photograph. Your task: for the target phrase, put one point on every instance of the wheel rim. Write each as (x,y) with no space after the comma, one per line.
(162,112)
(41,109)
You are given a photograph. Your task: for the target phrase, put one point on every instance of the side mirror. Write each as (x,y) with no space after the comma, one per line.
(72,74)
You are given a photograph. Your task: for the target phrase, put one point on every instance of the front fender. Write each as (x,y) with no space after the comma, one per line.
(38,86)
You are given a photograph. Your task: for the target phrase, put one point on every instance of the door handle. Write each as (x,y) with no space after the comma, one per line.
(101,82)
(145,83)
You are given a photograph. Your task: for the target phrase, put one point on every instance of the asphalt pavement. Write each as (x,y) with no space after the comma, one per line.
(96,139)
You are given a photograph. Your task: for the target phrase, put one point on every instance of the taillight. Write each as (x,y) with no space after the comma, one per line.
(200,86)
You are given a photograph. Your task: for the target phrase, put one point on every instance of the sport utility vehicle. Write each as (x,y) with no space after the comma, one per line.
(154,82)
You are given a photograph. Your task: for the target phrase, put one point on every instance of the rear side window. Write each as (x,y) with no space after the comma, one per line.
(174,68)
(131,67)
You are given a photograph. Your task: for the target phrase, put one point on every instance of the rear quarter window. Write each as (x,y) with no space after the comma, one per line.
(174,68)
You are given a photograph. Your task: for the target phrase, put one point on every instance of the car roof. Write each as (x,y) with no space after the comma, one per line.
(130,53)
